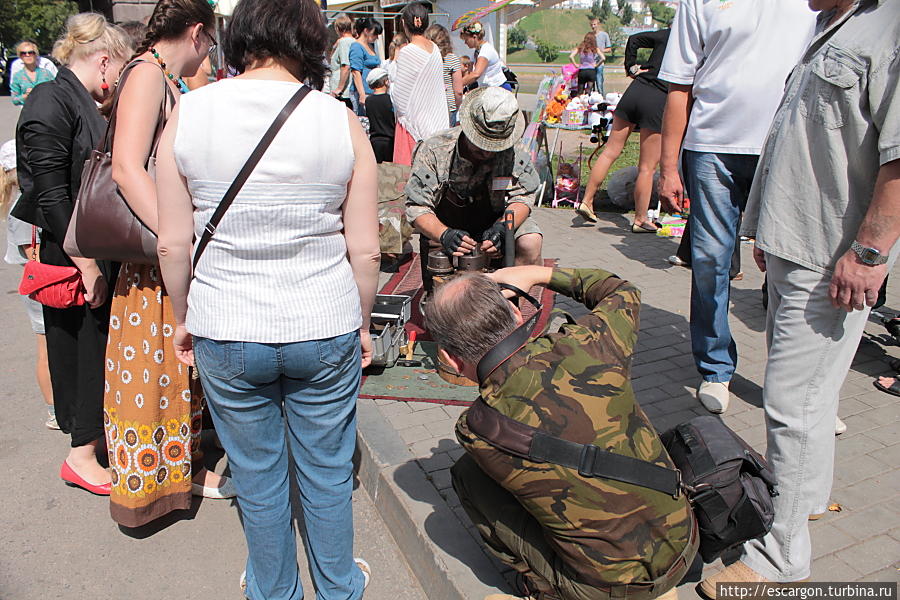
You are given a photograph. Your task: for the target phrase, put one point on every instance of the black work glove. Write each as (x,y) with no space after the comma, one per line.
(494,234)
(452,239)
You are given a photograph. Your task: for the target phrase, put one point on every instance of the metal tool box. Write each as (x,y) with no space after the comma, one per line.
(389,315)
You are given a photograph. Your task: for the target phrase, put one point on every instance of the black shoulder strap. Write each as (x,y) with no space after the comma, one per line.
(522,440)
(511,343)
(246,170)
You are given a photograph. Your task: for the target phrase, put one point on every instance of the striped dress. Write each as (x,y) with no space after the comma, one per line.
(451,66)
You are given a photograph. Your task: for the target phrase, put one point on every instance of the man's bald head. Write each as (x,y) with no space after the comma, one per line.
(469,315)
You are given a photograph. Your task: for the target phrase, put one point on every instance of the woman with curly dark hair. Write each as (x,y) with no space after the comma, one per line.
(276,311)
(363,58)
(152,408)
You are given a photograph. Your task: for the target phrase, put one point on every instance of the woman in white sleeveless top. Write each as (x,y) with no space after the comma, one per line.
(277,313)
(417,90)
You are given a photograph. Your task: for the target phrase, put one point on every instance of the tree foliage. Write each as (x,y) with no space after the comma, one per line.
(621,4)
(606,10)
(547,51)
(40,20)
(627,15)
(516,37)
(617,37)
(595,10)
(661,13)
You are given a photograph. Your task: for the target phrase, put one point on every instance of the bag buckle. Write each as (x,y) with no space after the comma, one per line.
(210,228)
(586,462)
(678,484)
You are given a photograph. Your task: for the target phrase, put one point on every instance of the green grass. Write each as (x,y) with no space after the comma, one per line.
(628,158)
(565,28)
(528,57)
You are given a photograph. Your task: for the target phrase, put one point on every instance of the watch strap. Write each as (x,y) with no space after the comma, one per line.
(869,256)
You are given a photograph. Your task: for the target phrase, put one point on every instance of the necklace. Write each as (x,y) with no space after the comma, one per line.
(182,87)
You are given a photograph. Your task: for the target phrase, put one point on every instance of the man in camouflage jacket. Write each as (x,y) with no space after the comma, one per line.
(573,537)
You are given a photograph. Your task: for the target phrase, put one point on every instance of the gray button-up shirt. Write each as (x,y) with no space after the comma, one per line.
(838,122)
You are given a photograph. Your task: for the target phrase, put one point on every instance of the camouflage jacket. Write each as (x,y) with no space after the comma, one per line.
(575,384)
(437,168)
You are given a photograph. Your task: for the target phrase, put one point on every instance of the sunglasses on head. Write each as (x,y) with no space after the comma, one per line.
(27,53)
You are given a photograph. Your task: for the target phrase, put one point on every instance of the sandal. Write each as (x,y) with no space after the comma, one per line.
(642,228)
(586,212)
(893,389)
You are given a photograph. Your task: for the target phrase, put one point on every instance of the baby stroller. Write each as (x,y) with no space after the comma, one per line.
(568,182)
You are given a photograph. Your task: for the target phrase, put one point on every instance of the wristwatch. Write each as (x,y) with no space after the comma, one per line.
(869,256)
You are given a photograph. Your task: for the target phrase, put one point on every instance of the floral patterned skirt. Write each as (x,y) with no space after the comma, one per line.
(152,411)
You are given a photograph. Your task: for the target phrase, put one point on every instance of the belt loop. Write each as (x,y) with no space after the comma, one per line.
(586,463)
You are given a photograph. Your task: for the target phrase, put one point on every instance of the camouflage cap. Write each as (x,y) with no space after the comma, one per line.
(491,119)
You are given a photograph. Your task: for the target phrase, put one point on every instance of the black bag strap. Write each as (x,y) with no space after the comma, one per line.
(511,343)
(247,169)
(519,439)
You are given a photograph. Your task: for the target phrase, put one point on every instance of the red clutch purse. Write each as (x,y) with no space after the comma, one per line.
(51,285)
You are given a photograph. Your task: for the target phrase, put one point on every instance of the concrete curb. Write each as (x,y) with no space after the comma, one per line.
(425,528)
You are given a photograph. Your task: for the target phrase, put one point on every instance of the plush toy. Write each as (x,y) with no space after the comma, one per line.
(556,107)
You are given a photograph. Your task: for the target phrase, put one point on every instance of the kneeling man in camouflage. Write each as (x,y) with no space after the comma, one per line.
(558,453)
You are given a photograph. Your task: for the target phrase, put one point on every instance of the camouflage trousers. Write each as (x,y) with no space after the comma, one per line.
(518,540)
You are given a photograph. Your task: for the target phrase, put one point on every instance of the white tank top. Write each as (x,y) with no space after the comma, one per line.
(276,270)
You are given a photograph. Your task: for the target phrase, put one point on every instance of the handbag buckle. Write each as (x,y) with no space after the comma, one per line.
(210,228)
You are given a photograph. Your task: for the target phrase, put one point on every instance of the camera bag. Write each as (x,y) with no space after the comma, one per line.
(727,482)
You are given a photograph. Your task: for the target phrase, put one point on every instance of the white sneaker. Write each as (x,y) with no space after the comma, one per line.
(714,396)
(839,426)
(366,571)
(223,492)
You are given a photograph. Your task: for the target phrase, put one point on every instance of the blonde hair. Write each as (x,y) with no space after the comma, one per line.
(441,38)
(87,34)
(397,42)
(343,24)
(8,182)
(27,43)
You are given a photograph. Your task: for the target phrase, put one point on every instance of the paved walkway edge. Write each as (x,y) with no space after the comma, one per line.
(423,525)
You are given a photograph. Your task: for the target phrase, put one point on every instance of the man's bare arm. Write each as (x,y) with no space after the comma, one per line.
(854,283)
(675,121)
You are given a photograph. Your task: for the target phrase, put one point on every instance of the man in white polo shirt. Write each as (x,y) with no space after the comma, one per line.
(726,62)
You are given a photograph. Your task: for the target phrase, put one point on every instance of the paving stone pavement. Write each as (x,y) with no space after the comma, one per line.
(862,542)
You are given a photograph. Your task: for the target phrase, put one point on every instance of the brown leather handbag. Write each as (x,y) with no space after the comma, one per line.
(103,226)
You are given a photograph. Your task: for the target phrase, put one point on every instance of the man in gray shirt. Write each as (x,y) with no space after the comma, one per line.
(604,45)
(825,210)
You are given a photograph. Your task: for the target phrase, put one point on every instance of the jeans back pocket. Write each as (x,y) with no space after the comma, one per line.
(337,350)
(222,360)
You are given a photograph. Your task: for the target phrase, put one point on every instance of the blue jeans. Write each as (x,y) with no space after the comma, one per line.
(599,85)
(718,185)
(253,391)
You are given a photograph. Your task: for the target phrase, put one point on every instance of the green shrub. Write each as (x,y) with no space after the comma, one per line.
(547,51)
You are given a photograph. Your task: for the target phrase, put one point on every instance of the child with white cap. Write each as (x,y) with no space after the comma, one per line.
(19,250)
(380,111)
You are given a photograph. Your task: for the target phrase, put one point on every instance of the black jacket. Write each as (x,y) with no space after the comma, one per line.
(58,128)
(648,39)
